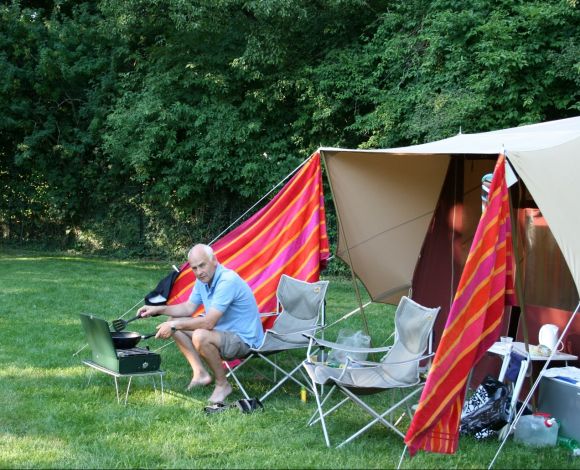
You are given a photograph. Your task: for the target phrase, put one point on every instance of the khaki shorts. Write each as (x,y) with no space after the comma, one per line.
(232,346)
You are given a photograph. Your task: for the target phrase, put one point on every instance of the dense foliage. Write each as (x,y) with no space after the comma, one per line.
(139,126)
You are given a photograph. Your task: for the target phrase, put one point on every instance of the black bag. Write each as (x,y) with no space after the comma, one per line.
(487,410)
(160,294)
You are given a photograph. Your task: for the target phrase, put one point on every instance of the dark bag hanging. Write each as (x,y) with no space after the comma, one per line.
(487,410)
(160,294)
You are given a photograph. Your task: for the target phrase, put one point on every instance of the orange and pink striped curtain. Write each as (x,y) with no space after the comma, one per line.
(287,236)
(485,288)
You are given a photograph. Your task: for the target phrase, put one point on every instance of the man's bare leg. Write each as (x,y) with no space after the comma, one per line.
(207,343)
(201,376)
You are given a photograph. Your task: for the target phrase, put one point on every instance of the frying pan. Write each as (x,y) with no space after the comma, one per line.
(127,339)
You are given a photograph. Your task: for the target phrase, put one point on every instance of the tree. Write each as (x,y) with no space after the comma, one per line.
(440,67)
(55,92)
(144,125)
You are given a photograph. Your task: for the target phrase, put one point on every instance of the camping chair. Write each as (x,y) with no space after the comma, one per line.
(513,371)
(299,310)
(399,371)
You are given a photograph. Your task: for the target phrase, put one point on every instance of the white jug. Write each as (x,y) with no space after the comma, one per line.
(548,336)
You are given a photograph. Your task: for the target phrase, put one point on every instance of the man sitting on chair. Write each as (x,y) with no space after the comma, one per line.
(229,328)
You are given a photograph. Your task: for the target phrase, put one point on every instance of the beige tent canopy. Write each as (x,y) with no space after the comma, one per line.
(407,215)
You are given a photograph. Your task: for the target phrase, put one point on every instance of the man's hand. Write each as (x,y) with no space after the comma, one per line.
(164,330)
(149,311)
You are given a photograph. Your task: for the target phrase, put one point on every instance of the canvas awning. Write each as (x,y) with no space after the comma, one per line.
(385,198)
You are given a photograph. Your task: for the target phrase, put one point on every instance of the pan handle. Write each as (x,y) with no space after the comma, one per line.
(148,336)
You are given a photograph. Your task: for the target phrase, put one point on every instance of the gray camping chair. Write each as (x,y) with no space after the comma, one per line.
(299,311)
(399,371)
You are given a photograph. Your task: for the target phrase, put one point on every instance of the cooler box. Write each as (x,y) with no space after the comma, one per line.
(561,398)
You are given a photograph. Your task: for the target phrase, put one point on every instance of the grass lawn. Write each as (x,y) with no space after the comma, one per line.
(51,417)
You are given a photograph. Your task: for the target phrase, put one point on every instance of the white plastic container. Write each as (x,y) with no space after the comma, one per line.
(537,430)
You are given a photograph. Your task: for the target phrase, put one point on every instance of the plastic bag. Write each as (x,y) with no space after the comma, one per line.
(347,337)
(487,411)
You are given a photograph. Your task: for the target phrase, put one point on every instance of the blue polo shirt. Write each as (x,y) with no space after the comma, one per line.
(232,296)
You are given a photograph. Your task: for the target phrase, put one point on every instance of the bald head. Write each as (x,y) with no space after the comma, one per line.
(200,247)
(203,262)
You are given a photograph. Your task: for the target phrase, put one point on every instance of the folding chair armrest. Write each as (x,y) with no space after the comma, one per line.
(269,314)
(361,363)
(352,362)
(294,332)
(417,359)
(343,347)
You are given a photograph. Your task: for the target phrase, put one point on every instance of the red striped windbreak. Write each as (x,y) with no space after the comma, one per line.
(485,288)
(287,236)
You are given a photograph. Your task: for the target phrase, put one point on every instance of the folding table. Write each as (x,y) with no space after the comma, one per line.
(130,375)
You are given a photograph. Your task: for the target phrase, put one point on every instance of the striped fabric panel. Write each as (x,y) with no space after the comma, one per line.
(287,236)
(485,288)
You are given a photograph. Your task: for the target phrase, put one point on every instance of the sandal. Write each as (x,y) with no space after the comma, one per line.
(249,405)
(216,407)
(245,405)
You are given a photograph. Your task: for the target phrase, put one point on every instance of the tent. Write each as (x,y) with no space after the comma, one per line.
(407,216)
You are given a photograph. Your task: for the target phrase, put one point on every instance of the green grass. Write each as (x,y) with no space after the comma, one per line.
(51,417)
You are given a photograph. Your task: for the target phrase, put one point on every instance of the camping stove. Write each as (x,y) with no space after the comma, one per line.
(137,360)
(123,361)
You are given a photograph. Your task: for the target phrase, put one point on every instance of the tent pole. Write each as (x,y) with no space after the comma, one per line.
(519,271)
(354,280)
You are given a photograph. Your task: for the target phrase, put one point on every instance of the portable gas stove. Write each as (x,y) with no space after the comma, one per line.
(104,353)
(118,363)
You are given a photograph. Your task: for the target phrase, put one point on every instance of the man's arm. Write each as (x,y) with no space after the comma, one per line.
(184,309)
(206,322)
